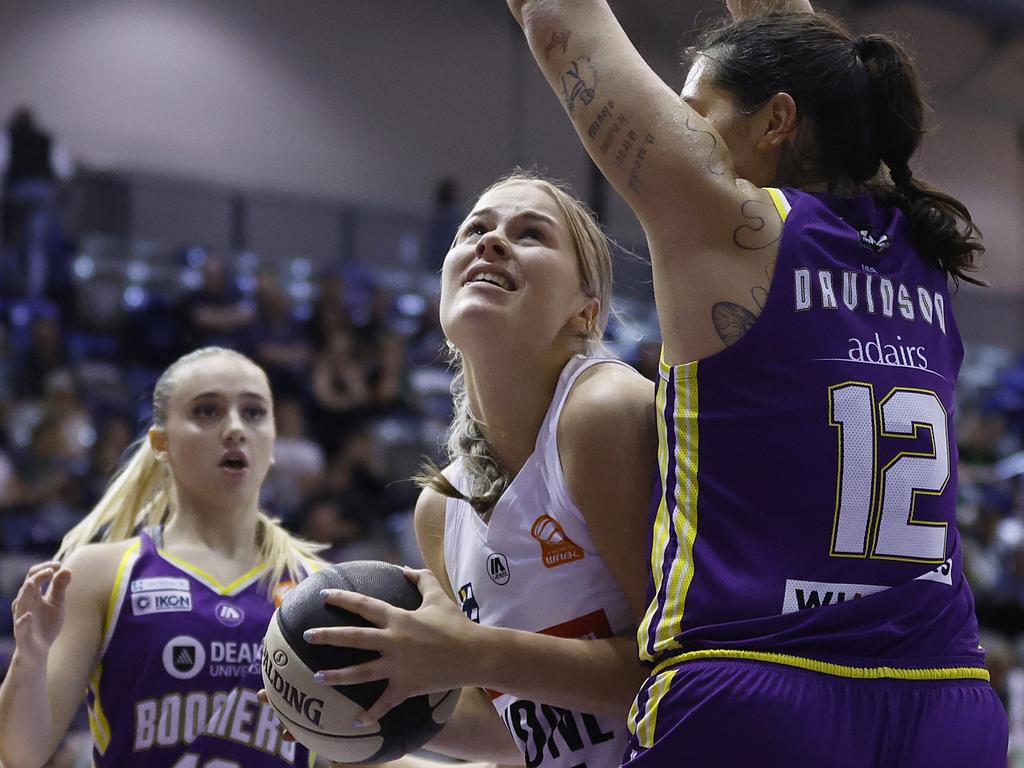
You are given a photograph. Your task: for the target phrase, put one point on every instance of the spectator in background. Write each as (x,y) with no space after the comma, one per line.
(445,219)
(218,314)
(45,352)
(33,263)
(114,438)
(298,462)
(62,404)
(330,311)
(281,344)
(341,394)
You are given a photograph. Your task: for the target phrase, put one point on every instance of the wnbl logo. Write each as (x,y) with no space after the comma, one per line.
(468,602)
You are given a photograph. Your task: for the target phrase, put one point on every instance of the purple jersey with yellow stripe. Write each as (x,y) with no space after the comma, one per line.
(807,514)
(179,670)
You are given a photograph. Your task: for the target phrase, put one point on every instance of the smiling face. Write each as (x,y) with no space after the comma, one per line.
(513,273)
(219,433)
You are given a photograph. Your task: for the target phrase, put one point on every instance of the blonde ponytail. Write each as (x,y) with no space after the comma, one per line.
(139,495)
(286,554)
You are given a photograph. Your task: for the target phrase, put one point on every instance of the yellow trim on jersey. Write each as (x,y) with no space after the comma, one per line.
(827,668)
(97,718)
(684,519)
(118,590)
(224,589)
(644,727)
(661,522)
(781,203)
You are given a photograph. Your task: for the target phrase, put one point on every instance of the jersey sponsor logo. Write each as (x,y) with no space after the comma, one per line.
(881,352)
(877,244)
(159,582)
(555,547)
(229,614)
(162,601)
(468,603)
(497,568)
(184,657)
(231,659)
(802,595)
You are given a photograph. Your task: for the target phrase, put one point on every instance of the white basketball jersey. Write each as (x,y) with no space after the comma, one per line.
(535,567)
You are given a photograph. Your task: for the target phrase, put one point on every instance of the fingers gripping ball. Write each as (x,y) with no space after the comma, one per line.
(321,716)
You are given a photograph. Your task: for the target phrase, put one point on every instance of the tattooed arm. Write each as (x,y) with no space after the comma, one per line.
(653,148)
(712,235)
(742,9)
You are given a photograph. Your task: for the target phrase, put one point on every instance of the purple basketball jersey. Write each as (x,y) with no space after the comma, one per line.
(807,514)
(177,679)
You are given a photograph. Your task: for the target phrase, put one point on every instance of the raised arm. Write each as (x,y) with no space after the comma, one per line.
(58,632)
(662,156)
(713,234)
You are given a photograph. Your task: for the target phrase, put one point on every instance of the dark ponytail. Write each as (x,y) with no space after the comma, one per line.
(863,98)
(940,225)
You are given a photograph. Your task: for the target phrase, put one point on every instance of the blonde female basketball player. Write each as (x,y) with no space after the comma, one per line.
(536,529)
(163,619)
(807,589)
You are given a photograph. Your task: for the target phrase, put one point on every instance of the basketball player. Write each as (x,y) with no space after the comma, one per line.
(163,626)
(808,602)
(536,529)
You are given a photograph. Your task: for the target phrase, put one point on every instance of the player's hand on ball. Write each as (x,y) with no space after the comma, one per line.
(38,610)
(421,651)
(261,696)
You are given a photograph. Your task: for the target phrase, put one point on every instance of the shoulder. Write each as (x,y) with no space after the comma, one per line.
(94,568)
(606,400)
(429,521)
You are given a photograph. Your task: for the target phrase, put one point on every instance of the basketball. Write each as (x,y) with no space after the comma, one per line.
(321,716)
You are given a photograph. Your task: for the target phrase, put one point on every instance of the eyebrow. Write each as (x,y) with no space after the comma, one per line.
(253,395)
(534,215)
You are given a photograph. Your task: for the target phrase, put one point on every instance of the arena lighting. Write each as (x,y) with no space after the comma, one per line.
(248,262)
(138,271)
(301,269)
(411,304)
(195,257)
(134,297)
(191,279)
(301,291)
(246,283)
(84,267)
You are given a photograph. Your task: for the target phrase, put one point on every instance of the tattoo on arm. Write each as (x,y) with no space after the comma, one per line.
(558,40)
(757,233)
(578,83)
(716,160)
(732,321)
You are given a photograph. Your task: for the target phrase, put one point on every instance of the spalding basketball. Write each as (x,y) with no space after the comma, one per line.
(320,716)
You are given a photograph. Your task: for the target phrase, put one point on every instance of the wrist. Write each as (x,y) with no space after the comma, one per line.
(31,663)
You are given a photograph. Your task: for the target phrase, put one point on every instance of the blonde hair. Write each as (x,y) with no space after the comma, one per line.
(467,441)
(141,494)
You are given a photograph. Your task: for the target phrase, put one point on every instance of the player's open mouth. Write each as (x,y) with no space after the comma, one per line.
(490,275)
(234,462)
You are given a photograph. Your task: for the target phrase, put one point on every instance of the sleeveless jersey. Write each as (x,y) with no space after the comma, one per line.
(179,670)
(808,510)
(535,567)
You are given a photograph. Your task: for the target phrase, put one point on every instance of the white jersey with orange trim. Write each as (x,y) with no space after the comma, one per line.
(535,567)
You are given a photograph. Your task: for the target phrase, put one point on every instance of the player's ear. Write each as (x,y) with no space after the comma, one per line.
(158,443)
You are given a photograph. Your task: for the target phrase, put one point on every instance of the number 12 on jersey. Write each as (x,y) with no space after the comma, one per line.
(874,514)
